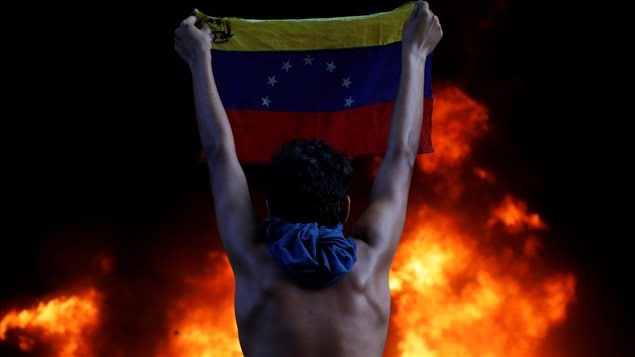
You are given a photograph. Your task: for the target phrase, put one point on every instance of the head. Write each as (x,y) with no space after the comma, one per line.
(308,181)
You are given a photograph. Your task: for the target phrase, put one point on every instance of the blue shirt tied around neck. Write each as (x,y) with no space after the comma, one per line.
(315,256)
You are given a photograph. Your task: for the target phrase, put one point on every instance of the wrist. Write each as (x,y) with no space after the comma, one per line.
(201,58)
(414,60)
(415,54)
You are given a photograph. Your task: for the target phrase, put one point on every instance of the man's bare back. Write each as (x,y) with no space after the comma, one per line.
(276,317)
(308,290)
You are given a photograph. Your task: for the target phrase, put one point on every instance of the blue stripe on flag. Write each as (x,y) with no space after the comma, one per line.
(310,81)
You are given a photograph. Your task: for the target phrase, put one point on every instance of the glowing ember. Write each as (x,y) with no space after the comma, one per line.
(203,318)
(63,324)
(484,174)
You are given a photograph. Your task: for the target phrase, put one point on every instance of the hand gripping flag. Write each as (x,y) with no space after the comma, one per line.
(334,79)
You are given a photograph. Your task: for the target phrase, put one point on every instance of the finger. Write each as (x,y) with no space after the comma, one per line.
(434,22)
(415,10)
(427,17)
(435,25)
(204,26)
(189,21)
(178,33)
(425,11)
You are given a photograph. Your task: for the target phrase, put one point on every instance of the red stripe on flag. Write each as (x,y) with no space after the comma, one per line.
(359,132)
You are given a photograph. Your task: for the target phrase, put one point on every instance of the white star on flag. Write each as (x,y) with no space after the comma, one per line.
(308,60)
(266,101)
(330,66)
(349,101)
(286,65)
(346,82)
(272,81)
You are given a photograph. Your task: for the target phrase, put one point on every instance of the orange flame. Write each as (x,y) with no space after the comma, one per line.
(452,298)
(513,214)
(453,294)
(203,317)
(458,122)
(64,324)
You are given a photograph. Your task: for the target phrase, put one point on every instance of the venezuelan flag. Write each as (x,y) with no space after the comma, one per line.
(332,78)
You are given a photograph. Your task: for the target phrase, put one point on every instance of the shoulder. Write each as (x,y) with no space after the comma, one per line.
(365,271)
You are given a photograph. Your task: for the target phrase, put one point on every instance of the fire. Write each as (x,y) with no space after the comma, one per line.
(452,298)
(64,324)
(203,317)
(484,174)
(513,214)
(457,290)
(467,279)
(458,122)
(460,286)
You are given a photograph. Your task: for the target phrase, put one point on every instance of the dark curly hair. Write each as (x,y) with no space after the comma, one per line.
(308,180)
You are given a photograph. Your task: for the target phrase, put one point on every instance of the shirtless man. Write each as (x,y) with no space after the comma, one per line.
(306,290)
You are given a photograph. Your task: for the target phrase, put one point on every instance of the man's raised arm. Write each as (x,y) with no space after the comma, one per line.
(381,225)
(234,213)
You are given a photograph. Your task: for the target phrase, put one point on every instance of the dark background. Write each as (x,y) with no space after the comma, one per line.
(100,142)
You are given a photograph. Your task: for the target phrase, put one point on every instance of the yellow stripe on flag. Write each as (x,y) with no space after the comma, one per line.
(236,34)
